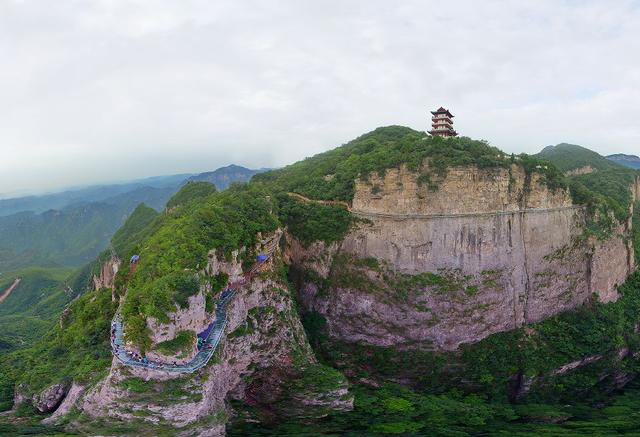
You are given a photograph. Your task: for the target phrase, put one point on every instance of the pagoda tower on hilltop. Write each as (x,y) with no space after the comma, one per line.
(442,123)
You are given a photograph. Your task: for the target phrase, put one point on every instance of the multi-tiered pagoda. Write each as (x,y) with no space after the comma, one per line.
(441,123)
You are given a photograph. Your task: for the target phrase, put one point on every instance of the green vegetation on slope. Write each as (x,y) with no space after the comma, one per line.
(71,237)
(135,229)
(310,222)
(570,157)
(166,273)
(32,306)
(77,348)
(190,192)
(606,189)
(396,410)
(331,175)
(180,345)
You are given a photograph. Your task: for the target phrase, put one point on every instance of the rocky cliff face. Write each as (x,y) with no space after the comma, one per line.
(440,264)
(107,275)
(263,337)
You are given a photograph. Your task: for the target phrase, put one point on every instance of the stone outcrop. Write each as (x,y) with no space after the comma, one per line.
(69,402)
(49,399)
(107,275)
(501,247)
(587,169)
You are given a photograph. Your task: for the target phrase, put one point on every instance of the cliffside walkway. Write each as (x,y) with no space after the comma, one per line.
(321,202)
(414,216)
(210,336)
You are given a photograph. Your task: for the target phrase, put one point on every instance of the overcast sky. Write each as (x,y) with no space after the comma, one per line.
(104,90)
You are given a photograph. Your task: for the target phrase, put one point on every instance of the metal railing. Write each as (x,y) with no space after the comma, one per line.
(209,344)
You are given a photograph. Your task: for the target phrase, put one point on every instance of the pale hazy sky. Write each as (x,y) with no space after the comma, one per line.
(103,90)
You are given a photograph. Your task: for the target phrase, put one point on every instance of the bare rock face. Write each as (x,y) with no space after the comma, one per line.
(217,264)
(587,169)
(49,399)
(464,190)
(192,318)
(67,404)
(108,272)
(483,251)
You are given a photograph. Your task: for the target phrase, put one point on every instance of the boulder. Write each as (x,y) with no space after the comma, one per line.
(49,399)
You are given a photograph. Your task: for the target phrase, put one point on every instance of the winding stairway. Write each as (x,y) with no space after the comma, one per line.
(210,336)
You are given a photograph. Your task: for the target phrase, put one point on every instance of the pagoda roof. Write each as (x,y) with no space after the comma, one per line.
(441,110)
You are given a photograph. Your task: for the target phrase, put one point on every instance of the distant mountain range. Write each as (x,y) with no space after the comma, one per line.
(632,161)
(96,193)
(224,176)
(72,227)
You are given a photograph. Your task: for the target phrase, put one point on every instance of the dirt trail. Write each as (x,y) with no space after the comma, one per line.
(322,202)
(8,291)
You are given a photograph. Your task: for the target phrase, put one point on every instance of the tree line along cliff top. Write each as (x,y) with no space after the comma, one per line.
(331,175)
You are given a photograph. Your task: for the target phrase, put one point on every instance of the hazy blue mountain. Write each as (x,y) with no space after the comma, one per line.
(632,161)
(224,176)
(97,193)
(74,234)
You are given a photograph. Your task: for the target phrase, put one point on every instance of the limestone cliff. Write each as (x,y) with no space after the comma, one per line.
(107,274)
(457,258)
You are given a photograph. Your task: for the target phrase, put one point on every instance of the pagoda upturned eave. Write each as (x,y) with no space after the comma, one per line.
(441,110)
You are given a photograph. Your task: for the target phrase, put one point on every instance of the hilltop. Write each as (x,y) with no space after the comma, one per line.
(593,178)
(331,175)
(568,157)
(225,176)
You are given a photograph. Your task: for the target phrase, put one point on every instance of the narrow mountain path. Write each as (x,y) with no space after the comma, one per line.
(8,291)
(413,216)
(211,336)
(321,202)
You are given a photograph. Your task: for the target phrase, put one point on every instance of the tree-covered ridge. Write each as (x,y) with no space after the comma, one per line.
(606,189)
(172,256)
(331,175)
(190,192)
(570,157)
(134,230)
(631,161)
(29,310)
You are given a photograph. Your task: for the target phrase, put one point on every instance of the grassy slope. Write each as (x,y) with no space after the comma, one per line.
(28,312)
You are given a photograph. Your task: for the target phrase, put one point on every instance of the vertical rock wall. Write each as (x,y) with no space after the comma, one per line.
(504,248)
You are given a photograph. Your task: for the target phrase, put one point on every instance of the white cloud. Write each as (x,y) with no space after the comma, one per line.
(107,90)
